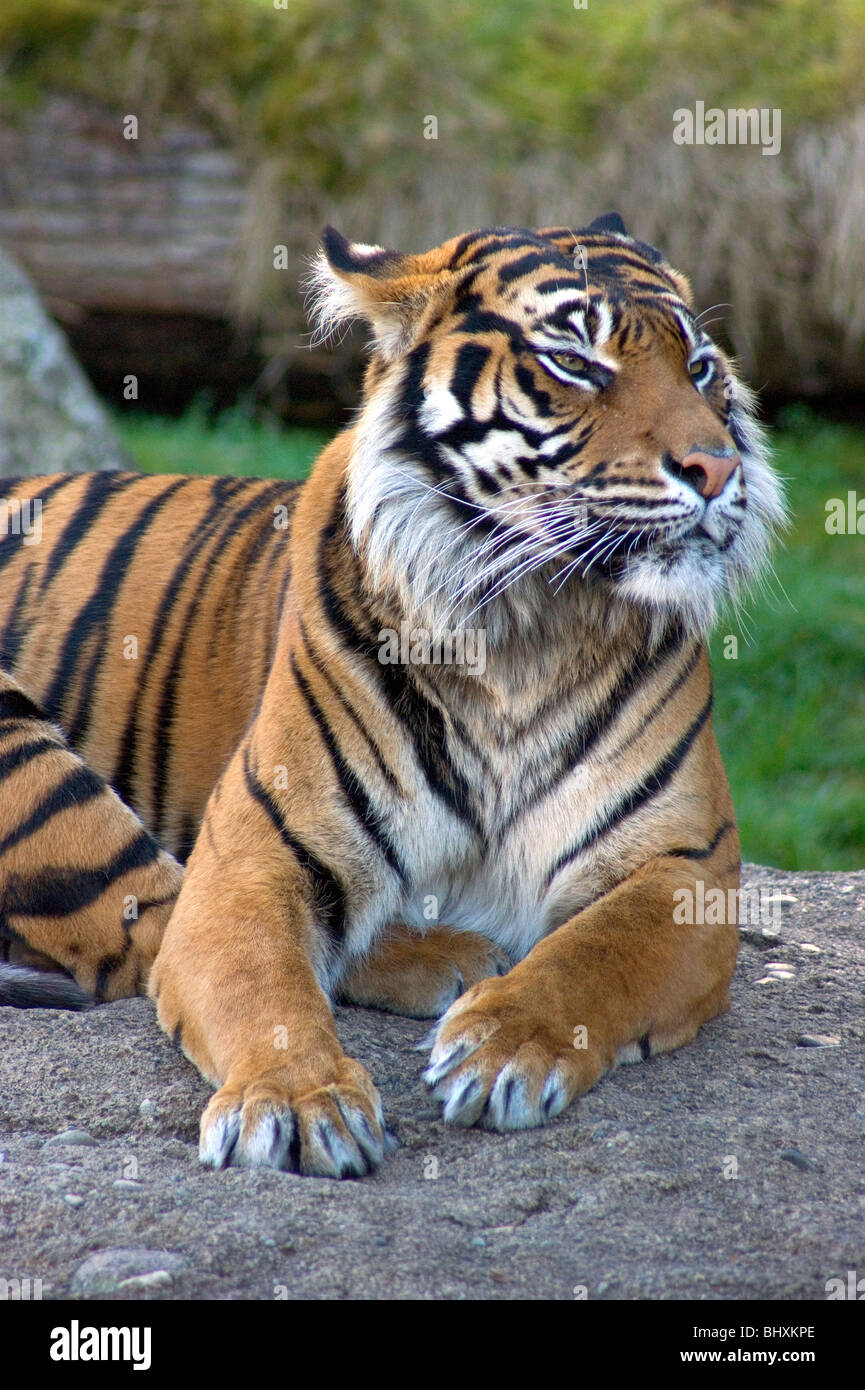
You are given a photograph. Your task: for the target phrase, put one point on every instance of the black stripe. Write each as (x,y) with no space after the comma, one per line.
(145,904)
(60,892)
(352,788)
(644,791)
(25,753)
(328,894)
(319,664)
(604,717)
(708,850)
(270,549)
(475,318)
(525,264)
(14,704)
(231,520)
(645,1047)
(527,383)
(604,262)
(222,490)
(18,622)
(665,699)
(420,719)
(471,359)
(93,619)
(186,836)
(100,489)
(11,544)
(81,785)
(106,968)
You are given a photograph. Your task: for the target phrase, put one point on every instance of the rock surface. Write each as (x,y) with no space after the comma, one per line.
(50,419)
(629,1194)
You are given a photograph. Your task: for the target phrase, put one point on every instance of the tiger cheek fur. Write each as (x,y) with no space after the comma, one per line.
(555,475)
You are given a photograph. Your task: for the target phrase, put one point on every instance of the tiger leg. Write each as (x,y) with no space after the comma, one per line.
(237,984)
(82,883)
(619,981)
(420,974)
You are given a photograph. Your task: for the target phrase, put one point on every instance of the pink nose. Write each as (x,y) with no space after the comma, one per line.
(712,471)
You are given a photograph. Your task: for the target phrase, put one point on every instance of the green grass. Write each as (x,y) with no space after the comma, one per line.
(789,708)
(235,442)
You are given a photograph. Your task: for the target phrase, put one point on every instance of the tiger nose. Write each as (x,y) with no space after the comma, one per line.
(709,473)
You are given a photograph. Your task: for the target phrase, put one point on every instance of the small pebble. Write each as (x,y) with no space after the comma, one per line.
(70,1136)
(126,1185)
(73,1199)
(147,1108)
(157,1279)
(818,1040)
(809,946)
(797,1158)
(478,1240)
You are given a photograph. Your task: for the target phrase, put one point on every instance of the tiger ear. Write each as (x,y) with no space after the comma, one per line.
(608,222)
(391,290)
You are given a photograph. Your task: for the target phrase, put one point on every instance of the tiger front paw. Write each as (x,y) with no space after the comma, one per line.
(421,976)
(335,1130)
(499,1060)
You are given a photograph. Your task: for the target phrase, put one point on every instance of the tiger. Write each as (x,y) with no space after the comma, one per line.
(225,785)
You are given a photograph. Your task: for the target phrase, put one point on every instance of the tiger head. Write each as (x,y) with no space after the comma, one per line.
(543,414)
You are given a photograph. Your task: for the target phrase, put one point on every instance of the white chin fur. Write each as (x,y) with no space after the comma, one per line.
(692,586)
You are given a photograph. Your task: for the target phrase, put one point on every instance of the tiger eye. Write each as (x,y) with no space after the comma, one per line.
(570,361)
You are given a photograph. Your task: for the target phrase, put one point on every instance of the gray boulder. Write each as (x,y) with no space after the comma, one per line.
(50,419)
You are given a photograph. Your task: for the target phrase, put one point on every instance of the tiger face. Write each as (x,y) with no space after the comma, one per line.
(544,405)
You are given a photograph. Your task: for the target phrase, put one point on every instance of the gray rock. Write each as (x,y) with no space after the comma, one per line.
(665,1181)
(109,1271)
(798,1159)
(51,421)
(72,1137)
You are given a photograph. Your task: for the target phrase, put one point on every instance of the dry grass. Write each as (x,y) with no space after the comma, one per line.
(776,242)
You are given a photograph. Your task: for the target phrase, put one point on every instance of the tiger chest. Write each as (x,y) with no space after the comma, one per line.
(489,866)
